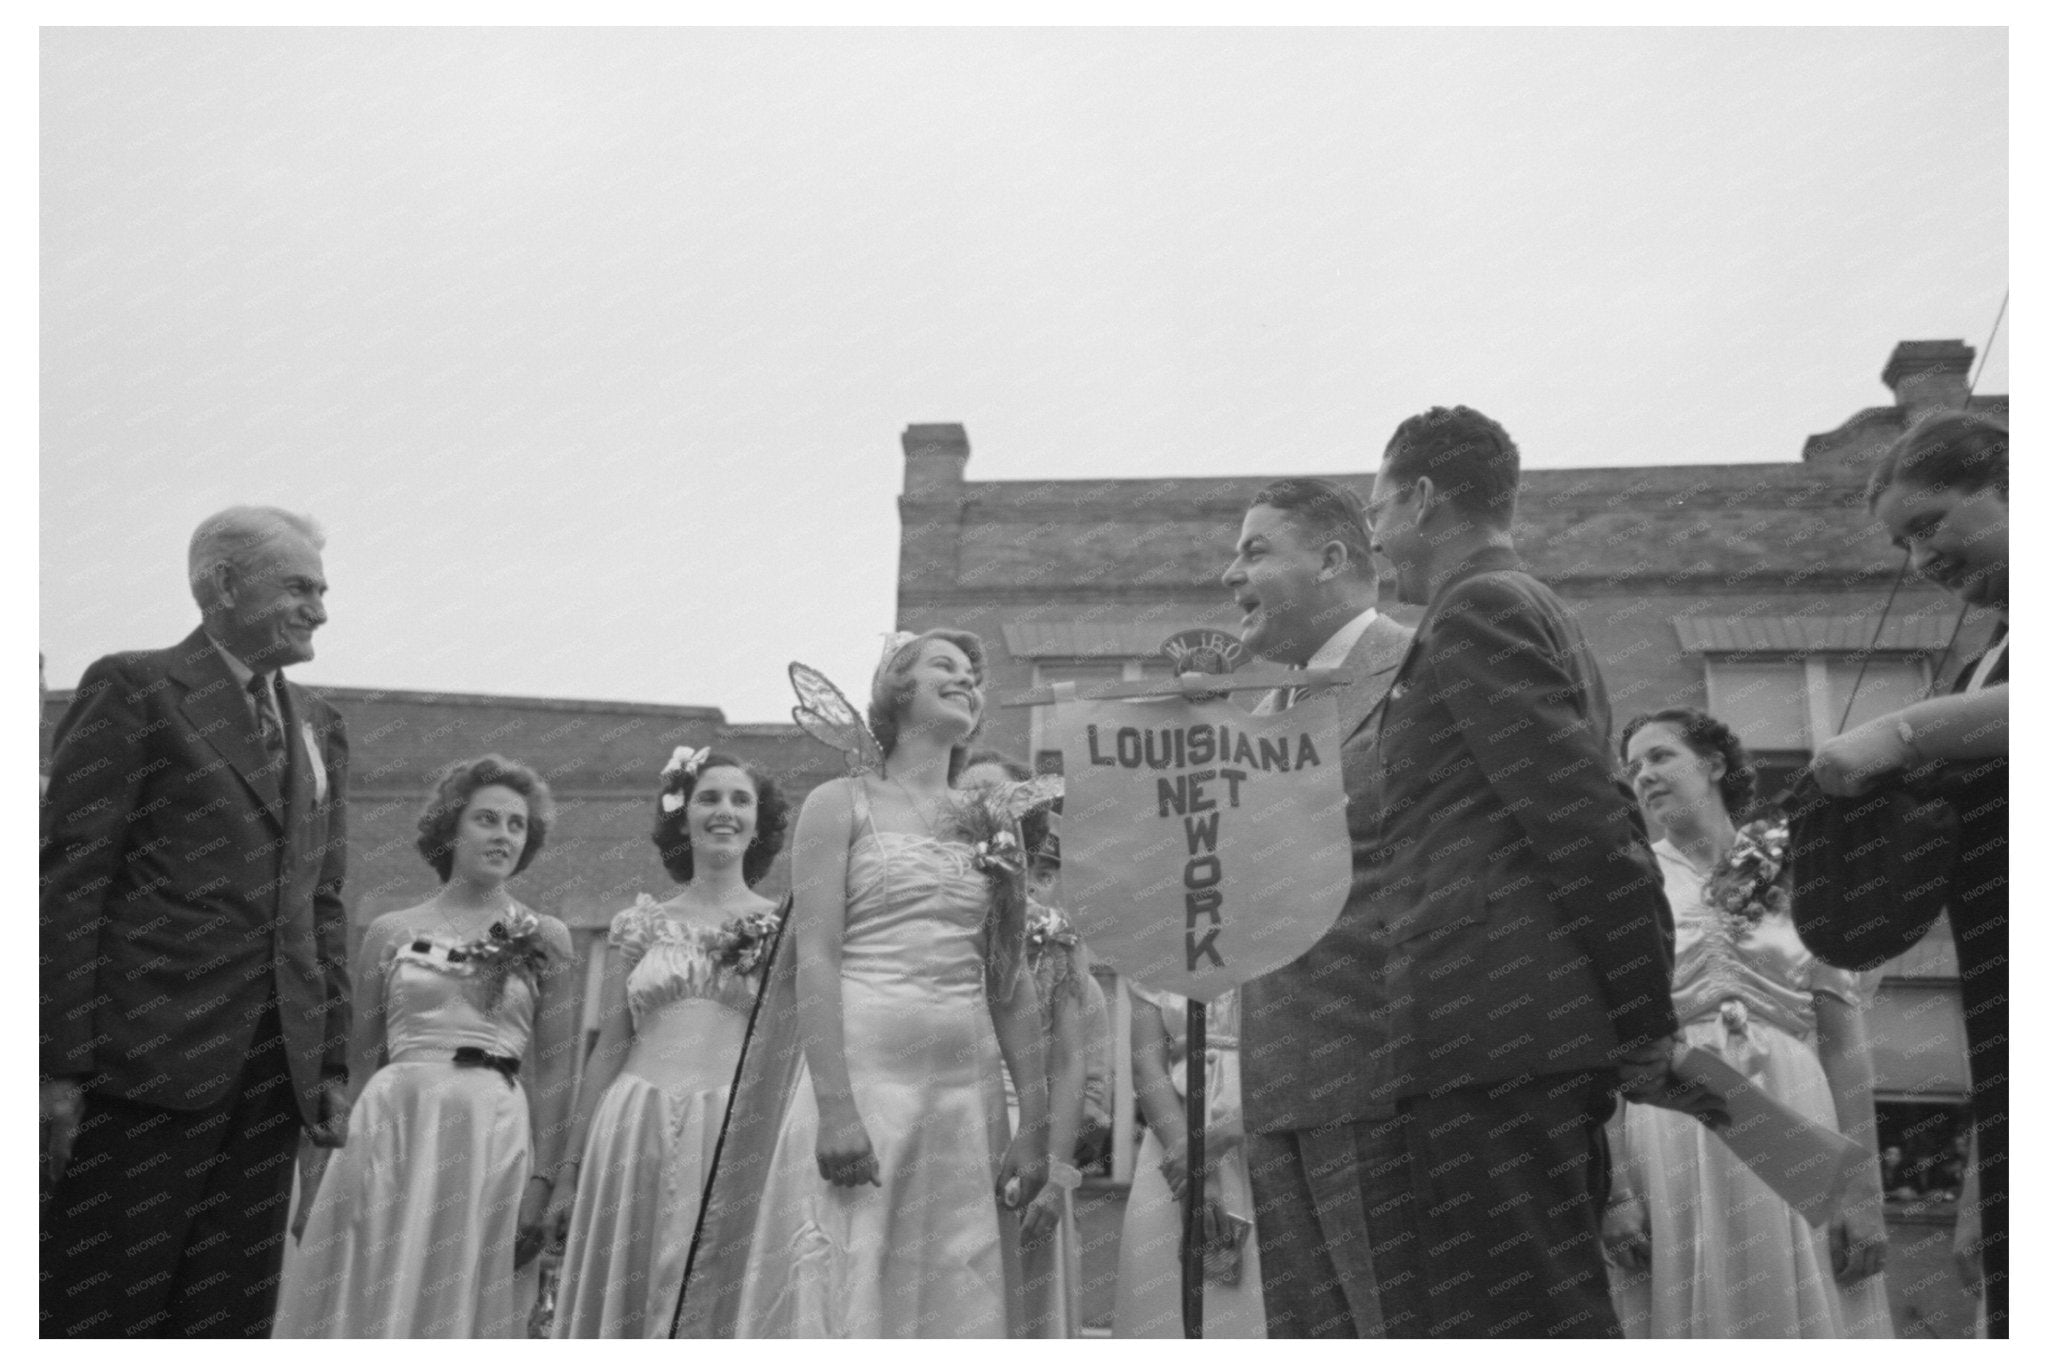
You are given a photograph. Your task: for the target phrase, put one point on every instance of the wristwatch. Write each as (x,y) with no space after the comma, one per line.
(1066,1177)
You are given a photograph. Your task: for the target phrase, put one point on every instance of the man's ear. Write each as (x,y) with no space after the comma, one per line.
(1426,500)
(222,577)
(1336,559)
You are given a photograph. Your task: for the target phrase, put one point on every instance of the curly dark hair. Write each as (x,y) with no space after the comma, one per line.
(1468,456)
(463,779)
(895,685)
(1706,736)
(672,828)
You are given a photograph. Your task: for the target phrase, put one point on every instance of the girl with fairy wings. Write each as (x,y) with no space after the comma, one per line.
(868,1164)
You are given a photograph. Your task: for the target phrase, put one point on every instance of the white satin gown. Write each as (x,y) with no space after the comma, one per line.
(652,1137)
(411,1232)
(1728,1257)
(923,1255)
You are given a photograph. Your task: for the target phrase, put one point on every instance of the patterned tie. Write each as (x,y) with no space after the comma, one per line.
(268,720)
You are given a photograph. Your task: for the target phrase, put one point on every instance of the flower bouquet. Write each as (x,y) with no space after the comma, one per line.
(1749,881)
(513,944)
(742,943)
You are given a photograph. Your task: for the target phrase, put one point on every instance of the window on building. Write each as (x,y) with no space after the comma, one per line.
(1885,686)
(1923,1150)
(1763,702)
(1782,707)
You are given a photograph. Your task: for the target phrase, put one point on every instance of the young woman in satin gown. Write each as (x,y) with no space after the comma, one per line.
(874,1084)
(464,1015)
(1703,1248)
(676,999)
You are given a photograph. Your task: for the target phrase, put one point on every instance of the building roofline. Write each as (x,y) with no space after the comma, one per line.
(666,710)
(1193,488)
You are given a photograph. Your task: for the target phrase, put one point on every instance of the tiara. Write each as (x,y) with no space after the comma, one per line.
(893,642)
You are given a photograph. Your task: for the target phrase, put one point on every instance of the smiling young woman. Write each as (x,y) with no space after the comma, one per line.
(880,1209)
(463,1024)
(1941,494)
(678,989)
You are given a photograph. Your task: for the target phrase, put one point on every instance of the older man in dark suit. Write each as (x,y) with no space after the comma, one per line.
(1520,935)
(194,980)
(1305,580)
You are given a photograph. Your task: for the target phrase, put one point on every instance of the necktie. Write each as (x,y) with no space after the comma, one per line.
(267,719)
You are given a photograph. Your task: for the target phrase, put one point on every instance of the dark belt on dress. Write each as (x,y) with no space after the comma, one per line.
(508,1067)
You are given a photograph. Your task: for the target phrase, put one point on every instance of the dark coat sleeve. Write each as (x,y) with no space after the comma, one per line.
(330,917)
(97,768)
(1511,677)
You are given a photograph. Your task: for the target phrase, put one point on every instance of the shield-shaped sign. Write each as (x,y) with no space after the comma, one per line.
(1201,846)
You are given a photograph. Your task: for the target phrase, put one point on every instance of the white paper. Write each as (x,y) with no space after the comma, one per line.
(1808,1164)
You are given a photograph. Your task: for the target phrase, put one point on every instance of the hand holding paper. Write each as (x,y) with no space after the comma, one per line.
(1647,1077)
(1806,1163)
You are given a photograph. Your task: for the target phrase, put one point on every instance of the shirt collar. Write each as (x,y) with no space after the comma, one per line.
(241,670)
(1338,647)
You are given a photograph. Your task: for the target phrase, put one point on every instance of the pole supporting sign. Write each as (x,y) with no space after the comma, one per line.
(1202,845)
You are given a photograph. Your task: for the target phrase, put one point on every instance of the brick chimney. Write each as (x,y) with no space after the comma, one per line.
(1928,375)
(934,458)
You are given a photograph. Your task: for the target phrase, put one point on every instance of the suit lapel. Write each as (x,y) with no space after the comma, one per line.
(214,706)
(1488,559)
(1371,666)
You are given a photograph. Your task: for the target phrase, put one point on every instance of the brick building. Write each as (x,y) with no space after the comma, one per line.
(1753,590)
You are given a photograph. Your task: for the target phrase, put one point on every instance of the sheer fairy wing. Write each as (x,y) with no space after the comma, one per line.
(825,714)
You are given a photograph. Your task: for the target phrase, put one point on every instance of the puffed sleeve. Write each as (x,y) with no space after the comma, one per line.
(1855,989)
(633,929)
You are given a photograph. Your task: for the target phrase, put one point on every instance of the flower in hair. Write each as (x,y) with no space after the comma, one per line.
(687,761)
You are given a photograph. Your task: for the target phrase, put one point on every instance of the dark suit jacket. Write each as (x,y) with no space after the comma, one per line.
(1520,925)
(183,892)
(1306,1026)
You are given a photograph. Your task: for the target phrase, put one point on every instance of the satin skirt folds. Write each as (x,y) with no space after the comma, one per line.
(412,1229)
(923,1254)
(636,1207)
(1729,1258)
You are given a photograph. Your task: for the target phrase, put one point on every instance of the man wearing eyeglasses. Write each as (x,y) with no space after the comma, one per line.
(1519,933)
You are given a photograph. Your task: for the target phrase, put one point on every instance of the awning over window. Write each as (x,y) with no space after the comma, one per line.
(1810,634)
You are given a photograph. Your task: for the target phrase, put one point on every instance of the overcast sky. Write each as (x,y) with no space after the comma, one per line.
(592,349)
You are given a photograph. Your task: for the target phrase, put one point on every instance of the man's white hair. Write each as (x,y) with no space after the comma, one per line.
(237,537)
